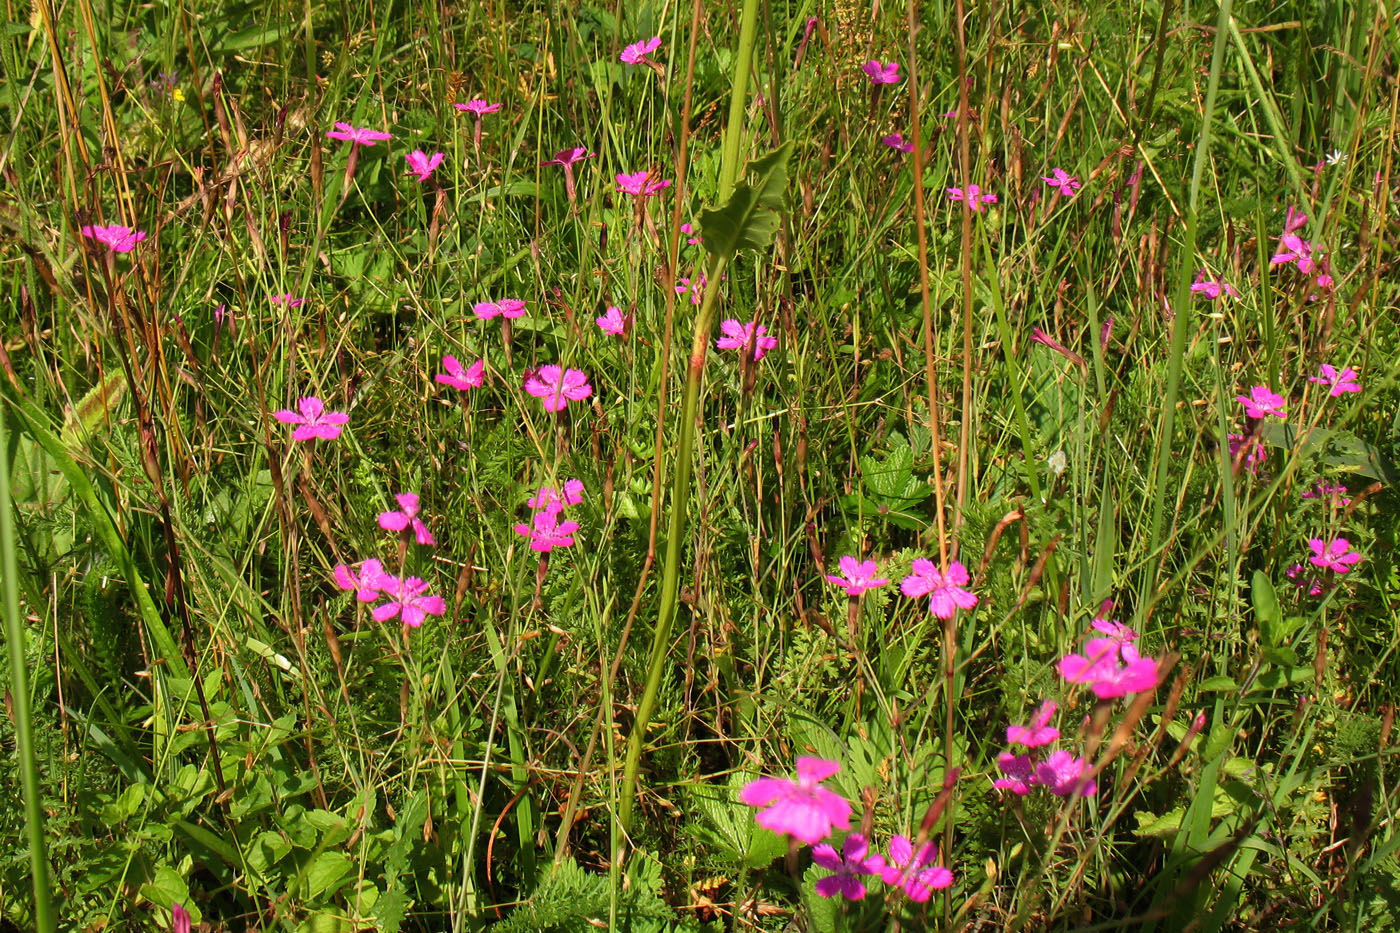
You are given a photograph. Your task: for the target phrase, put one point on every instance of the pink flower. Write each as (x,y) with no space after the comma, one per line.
(974,198)
(506,307)
(849,866)
(422,164)
(406,599)
(288,299)
(1065,775)
(548,499)
(945,590)
(1212,289)
(640,184)
(1324,491)
(1107,672)
(637,52)
(739,336)
(179,919)
(802,809)
(408,518)
(1041,337)
(1120,635)
(477,107)
(1062,181)
(458,377)
(697,293)
(117,238)
(1294,219)
(878,73)
(1255,455)
(613,321)
(1335,555)
(896,141)
(567,157)
(358,135)
(1019,771)
(557,386)
(313,419)
(1039,732)
(546,532)
(687,229)
(1294,249)
(1341,382)
(860,576)
(1261,402)
(917,875)
(366,583)
(1313,584)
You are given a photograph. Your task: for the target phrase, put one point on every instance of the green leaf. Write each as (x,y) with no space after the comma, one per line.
(327,873)
(1342,450)
(1218,684)
(1266,611)
(750,218)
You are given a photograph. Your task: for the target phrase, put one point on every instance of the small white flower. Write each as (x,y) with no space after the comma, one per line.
(1058,462)
(1336,157)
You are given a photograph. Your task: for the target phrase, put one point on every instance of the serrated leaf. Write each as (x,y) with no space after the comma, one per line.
(750,217)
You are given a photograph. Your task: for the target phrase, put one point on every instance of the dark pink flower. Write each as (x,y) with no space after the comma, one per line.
(1066,775)
(1294,249)
(849,866)
(422,164)
(1212,289)
(357,135)
(179,919)
(506,307)
(1062,181)
(1324,491)
(548,499)
(1039,732)
(567,157)
(1340,382)
(974,197)
(687,229)
(477,107)
(613,321)
(313,420)
(945,591)
(886,73)
(1293,219)
(288,299)
(546,532)
(557,386)
(458,377)
(802,809)
(641,184)
(859,576)
(1019,771)
(1262,402)
(917,875)
(115,237)
(1107,672)
(407,599)
(896,141)
(1255,452)
(738,336)
(1335,555)
(366,582)
(408,518)
(637,52)
(1312,584)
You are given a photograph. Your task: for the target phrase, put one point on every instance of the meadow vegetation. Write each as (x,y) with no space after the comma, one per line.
(738,465)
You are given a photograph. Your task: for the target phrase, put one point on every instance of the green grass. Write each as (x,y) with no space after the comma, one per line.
(212,723)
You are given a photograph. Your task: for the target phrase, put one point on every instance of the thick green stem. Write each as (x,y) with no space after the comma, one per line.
(19,696)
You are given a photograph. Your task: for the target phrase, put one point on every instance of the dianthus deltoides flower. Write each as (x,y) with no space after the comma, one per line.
(117,238)
(1111,666)
(945,591)
(313,420)
(802,809)
(849,866)
(409,599)
(557,386)
(916,874)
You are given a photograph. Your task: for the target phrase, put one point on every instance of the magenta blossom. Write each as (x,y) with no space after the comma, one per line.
(641,184)
(1107,671)
(917,875)
(1335,555)
(567,157)
(548,499)
(422,164)
(945,591)
(1121,636)
(849,866)
(117,238)
(637,52)
(697,293)
(1255,452)
(887,73)
(288,299)
(859,576)
(1294,249)
(1212,289)
(1066,775)
(1312,584)
(1293,219)
(1340,382)
(974,197)
(477,107)
(738,336)
(690,236)
(313,420)
(366,583)
(546,532)
(802,809)
(1019,771)
(459,377)
(408,518)
(358,135)
(1262,402)
(506,307)
(179,919)
(1062,181)
(1039,732)
(1324,491)
(896,141)
(557,386)
(613,321)
(407,600)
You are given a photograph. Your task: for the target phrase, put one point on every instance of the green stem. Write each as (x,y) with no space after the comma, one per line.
(19,694)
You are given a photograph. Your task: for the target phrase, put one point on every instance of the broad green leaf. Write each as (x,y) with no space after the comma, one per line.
(327,873)
(1266,611)
(750,218)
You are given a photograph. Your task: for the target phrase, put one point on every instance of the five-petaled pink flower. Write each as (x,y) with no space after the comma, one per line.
(1335,555)
(1111,667)
(422,164)
(1341,382)
(460,377)
(288,299)
(917,875)
(567,157)
(1262,402)
(115,237)
(1325,491)
(637,52)
(408,518)
(974,197)
(613,321)
(366,583)
(849,866)
(1039,732)
(506,307)
(896,141)
(477,107)
(641,184)
(313,420)
(886,73)
(407,600)
(1019,771)
(945,591)
(1211,288)
(737,336)
(548,499)
(1062,181)
(546,532)
(859,576)
(1066,775)
(1294,249)
(557,386)
(358,135)
(802,809)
